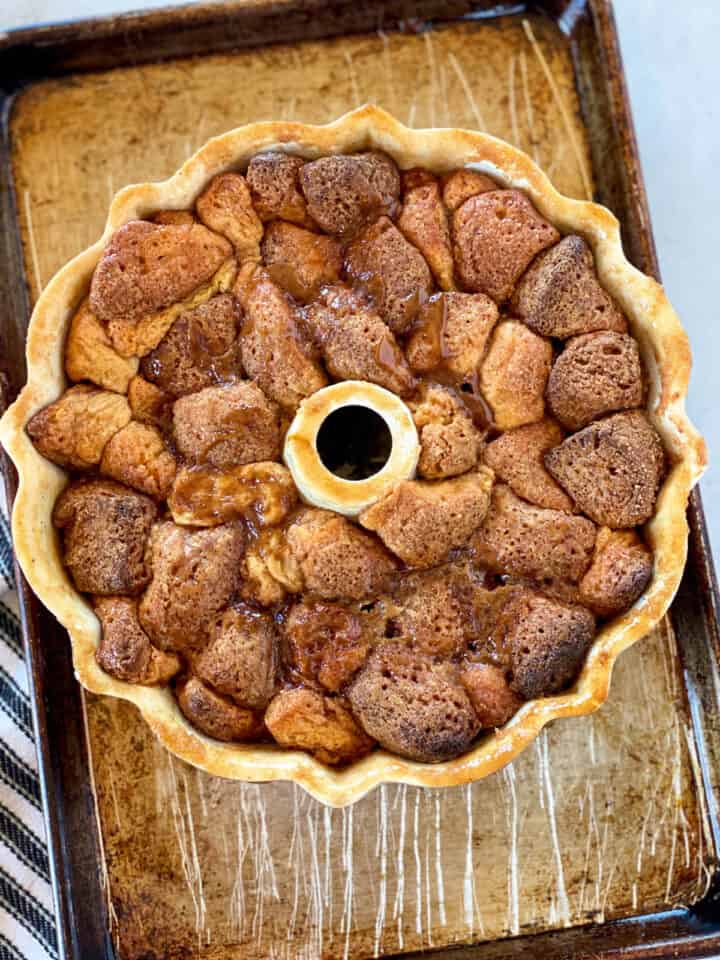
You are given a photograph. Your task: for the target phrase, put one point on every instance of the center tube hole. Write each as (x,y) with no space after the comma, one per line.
(354,442)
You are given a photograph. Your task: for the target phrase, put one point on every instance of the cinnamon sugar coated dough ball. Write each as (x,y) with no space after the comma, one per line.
(393,272)
(530,541)
(274,184)
(226,207)
(90,355)
(149,404)
(497,234)
(326,643)
(105,529)
(621,569)
(344,193)
(548,643)
(73,430)
(145,268)
(240,658)
(452,332)
(612,469)
(199,350)
(422,521)
(490,694)
(517,457)
(449,443)
(274,349)
(227,425)
(355,343)
(424,222)
(137,456)
(195,574)
(560,295)
(413,705)
(514,375)
(434,610)
(125,651)
(215,715)
(336,558)
(316,723)
(460,185)
(300,261)
(596,373)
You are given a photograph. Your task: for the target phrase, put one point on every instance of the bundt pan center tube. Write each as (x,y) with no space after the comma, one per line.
(349,444)
(360,453)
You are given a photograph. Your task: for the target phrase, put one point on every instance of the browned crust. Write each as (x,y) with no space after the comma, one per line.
(666,355)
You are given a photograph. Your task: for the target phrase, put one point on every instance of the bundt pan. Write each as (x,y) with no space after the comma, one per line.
(665,352)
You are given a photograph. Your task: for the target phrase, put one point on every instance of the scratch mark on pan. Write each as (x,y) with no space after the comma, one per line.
(563,906)
(444,96)
(399,909)
(511,101)
(411,113)
(418,865)
(528,104)
(704,837)
(388,71)
(353,78)
(472,103)
(439,863)
(316,892)
(31,236)
(432,89)
(513,921)
(383,838)
(561,107)
(348,866)
(428,882)
(469,880)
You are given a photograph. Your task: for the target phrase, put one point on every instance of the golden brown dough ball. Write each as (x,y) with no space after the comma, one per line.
(517,457)
(413,705)
(612,469)
(300,261)
(344,193)
(597,373)
(125,651)
(105,529)
(519,538)
(338,561)
(319,724)
(421,521)
(514,375)
(497,234)
(560,295)
(393,272)
(216,716)
(73,430)
(355,343)
(619,573)
(137,456)
(195,574)
(226,207)
(241,656)
(227,425)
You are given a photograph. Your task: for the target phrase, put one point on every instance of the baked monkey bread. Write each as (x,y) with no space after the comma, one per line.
(365,448)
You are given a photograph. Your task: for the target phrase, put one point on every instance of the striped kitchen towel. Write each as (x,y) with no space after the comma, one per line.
(27,922)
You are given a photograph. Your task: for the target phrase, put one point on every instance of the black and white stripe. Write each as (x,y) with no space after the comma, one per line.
(27,922)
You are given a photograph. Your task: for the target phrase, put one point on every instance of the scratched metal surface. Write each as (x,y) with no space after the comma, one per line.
(601,818)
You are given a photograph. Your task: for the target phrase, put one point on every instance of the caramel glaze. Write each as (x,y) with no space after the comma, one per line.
(431,326)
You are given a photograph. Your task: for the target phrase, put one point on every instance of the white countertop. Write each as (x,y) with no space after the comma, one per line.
(673,73)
